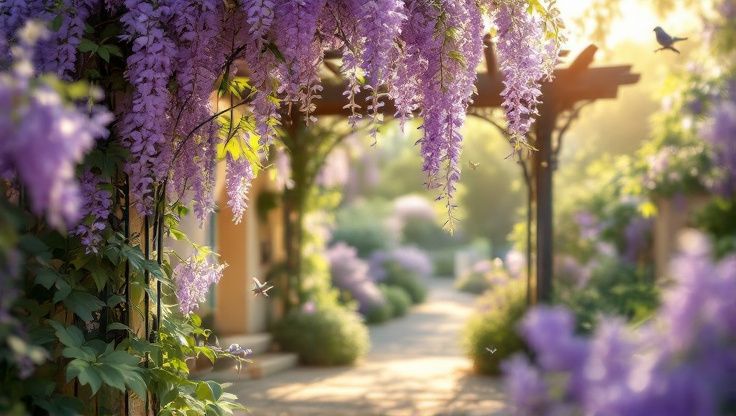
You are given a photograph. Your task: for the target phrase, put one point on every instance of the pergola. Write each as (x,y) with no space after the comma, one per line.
(571,87)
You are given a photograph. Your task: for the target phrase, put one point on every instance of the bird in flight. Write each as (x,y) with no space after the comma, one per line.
(491,350)
(260,288)
(666,41)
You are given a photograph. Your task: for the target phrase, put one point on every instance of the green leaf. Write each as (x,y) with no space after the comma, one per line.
(114,50)
(112,376)
(104,53)
(86,45)
(119,358)
(56,23)
(70,336)
(100,273)
(135,382)
(115,300)
(46,278)
(87,375)
(83,304)
(204,392)
(82,353)
(216,389)
(62,290)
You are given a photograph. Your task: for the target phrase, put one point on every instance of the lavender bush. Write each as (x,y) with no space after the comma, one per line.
(412,259)
(350,274)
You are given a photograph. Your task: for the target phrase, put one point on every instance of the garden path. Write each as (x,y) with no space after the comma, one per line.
(415,367)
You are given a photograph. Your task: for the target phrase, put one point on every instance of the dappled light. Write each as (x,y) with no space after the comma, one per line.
(368,207)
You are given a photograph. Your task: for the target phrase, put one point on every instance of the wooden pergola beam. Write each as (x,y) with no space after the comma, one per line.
(593,83)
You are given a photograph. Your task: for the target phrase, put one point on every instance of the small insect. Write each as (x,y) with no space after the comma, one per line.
(491,350)
(474,165)
(260,288)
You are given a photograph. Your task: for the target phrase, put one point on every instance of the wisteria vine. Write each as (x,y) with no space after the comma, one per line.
(264,58)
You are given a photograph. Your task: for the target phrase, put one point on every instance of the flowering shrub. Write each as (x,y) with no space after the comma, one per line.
(494,326)
(411,259)
(682,362)
(350,274)
(324,336)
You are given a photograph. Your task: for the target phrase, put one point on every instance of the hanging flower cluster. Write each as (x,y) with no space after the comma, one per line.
(35,120)
(264,60)
(683,362)
(526,57)
(421,54)
(193,278)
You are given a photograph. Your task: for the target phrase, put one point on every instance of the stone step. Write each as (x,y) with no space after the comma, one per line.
(262,365)
(258,343)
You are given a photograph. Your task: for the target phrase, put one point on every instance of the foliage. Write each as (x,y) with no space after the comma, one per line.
(483,275)
(361,226)
(495,327)
(398,299)
(411,259)
(350,275)
(473,282)
(380,312)
(71,324)
(398,276)
(444,262)
(325,336)
(613,289)
(681,361)
(718,219)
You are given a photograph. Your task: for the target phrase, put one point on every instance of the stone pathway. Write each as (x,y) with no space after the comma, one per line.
(415,367)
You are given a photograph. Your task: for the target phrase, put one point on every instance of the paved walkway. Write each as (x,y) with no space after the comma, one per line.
(415,367)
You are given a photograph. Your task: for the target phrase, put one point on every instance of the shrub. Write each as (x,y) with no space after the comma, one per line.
(379,313)
(494,327)
(614,288)
(325,336)
(397,297)
(413,259)
(473,282)
(444,262)
(400,277)
(484,275)
(350,274)
(361,226)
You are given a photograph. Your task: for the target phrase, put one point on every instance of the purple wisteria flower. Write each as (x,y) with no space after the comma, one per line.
(239,176)
(35,120)
(147,121)
(193,278)
(96,208)
(525,58)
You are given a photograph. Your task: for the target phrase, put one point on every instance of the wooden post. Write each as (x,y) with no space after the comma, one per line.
(543,183)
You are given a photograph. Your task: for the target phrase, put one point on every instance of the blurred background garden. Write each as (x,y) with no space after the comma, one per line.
(384,299)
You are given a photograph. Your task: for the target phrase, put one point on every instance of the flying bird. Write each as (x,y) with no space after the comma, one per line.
(491,350)
(260,288)
(474,165)
(665,40)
